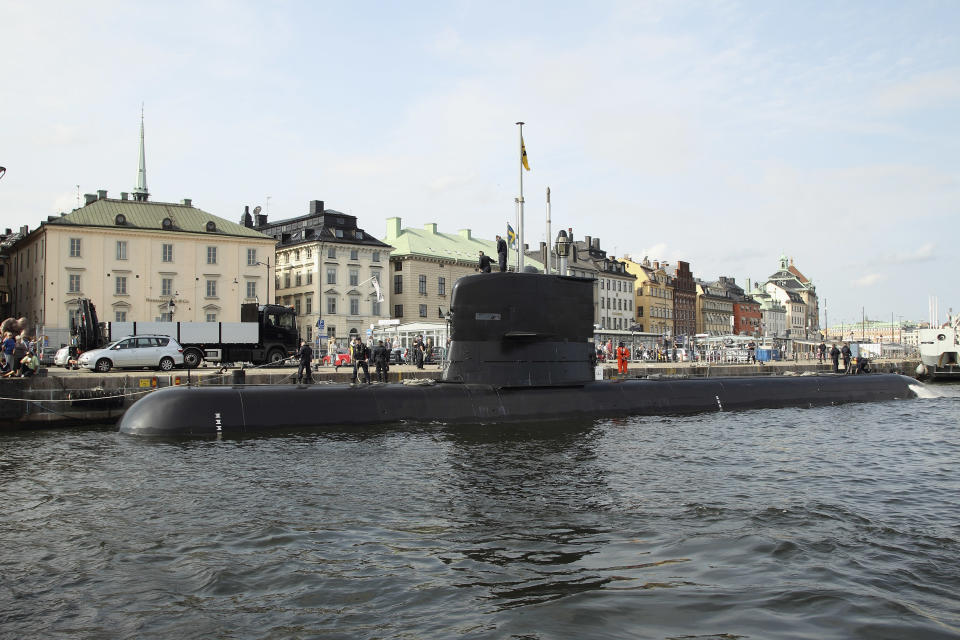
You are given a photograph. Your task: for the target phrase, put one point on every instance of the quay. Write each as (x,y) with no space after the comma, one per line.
(62,398)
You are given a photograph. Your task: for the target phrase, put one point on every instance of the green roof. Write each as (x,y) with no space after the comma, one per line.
(460,246)
(151,216)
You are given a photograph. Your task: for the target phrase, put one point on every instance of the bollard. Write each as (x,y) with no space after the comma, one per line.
(238,376)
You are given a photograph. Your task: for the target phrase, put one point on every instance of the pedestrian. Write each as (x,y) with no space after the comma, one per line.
(846,353)
(9,344)
(502,253)
(419,351)
(821,352)
(835,356)
(485,263)
(381,358)
(29,365)
(623,356)
(304,355)
(359,356)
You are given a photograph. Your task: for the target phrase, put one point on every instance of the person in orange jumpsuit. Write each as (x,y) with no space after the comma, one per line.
(623,355)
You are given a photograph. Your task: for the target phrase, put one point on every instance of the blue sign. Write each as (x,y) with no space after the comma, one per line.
(320,324)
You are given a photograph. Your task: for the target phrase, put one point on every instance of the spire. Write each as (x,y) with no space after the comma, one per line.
(140,193)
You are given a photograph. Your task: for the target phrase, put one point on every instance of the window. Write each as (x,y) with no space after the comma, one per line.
(398,310)
(73,317)
(251,289)
(423,311)
(296,306)
(211,317)
(121,249)
(354,277)
(120,316)
(211,288)
(73,285)
(296,255)
(121,285)
(442,286)
(251,257)
(331,276)
(423,284)
(211,255)
(286,280)
(309,334)
(166,286)
(331,305)
(299,278)
(309,255)
(354,254)
(332,253)
(74,247)
(309,305)
(398,283)
(166,253)
(398,266)
(375,257)
(375,309)
(354,306)
(601,304)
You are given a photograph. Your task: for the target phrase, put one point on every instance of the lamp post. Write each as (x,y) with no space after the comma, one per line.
(267,265)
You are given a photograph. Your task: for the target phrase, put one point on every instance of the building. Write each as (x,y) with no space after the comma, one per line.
(746,311)
(136,260)
(773,314)
(423,267)
(714,309)
(326,268)
(798,294)
(8,239)
(653,297)
(684,300)
(614,290)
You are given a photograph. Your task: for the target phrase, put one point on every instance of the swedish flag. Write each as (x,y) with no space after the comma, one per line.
(511,237)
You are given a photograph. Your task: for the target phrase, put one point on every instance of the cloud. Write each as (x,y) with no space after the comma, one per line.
(868,280)
(924,253)
(933,89)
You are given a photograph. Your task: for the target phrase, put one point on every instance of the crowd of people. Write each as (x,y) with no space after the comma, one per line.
(19,356)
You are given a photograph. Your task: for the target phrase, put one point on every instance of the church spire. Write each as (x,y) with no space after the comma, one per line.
(140,193)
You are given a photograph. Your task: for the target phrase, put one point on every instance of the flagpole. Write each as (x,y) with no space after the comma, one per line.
(520,209)
(546,263)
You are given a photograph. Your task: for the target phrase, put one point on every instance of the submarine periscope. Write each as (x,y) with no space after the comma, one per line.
(521,349)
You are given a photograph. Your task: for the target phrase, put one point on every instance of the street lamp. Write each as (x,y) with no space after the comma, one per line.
(267,265)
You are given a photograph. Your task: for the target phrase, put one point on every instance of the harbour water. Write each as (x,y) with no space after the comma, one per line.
(833,522)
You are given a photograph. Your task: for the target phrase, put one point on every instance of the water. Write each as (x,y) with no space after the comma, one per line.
(838,522)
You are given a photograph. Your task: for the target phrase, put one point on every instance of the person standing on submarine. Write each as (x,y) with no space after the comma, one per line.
(485,263)
(359,354)
(502,254)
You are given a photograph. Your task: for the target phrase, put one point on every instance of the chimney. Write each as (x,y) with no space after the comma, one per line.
(101,194)
(393,227)
(246,219)
(588,241)
(261,219)
(431,227)
(465,233)
(89,198)
(124,195)
(656,264)
(596,243)
(316,207)
(187,202)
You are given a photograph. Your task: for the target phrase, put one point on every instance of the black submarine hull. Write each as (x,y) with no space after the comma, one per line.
(239,410)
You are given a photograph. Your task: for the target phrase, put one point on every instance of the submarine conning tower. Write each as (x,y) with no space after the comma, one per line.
(521,330)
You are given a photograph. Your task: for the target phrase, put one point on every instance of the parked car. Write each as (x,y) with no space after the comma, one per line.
(62,356)
(46,355)
(398,356)
(437,356)
(155,352)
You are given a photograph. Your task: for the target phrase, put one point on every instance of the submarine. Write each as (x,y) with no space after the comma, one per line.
(521,349)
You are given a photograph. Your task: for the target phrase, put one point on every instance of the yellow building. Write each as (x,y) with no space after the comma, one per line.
(653,296)
(137,261)
(714,310)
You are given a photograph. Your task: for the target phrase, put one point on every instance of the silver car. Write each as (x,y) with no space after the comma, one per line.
(151,351)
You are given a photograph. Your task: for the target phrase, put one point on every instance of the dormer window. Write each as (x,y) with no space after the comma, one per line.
(167,223)
(120,220)
(211,225)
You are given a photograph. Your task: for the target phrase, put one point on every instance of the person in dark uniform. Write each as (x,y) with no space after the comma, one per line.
(821,352)
(304,355)
(381,358)
(835,356)
(359,355)
(502,253)
(846,353)
(485,263)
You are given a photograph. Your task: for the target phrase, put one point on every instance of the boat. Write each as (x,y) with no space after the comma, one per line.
(521,350)
(939,350)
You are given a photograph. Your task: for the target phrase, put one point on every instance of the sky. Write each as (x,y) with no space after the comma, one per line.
(720,133)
